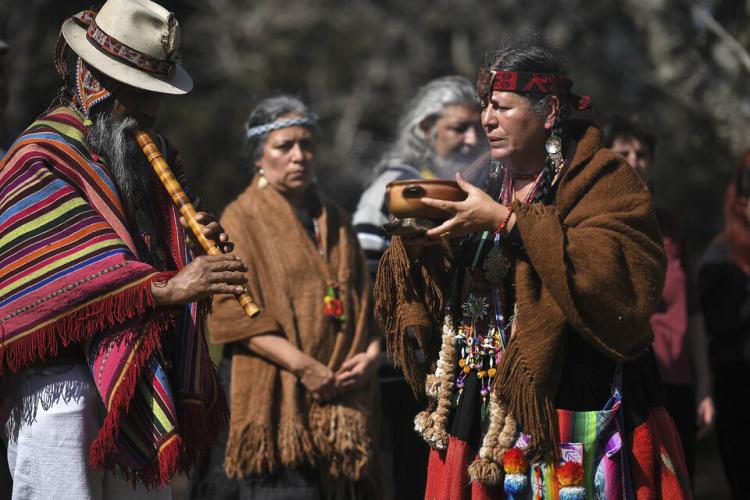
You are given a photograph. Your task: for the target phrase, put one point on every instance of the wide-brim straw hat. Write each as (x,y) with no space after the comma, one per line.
(135,42)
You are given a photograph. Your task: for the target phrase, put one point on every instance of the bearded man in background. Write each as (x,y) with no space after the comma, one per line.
(438,135)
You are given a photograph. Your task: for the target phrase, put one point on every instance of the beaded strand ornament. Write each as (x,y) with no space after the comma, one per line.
(480,353)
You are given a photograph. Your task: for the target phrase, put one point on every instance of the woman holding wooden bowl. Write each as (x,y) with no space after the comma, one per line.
(530,300)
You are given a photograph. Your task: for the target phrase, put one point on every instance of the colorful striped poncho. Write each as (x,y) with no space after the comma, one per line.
(70,273)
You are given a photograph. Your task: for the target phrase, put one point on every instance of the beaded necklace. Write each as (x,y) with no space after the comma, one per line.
(482,352)
(526,177)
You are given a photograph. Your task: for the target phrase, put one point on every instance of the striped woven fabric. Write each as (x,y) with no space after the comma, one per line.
(597,433)
(70,272)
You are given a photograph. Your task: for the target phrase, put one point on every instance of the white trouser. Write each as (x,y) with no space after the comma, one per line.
(51,415)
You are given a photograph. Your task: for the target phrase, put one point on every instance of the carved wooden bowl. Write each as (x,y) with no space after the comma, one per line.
(403,197)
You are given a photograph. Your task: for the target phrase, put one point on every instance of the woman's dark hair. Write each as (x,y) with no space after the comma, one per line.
(622,128)
(268,111)
(532,55)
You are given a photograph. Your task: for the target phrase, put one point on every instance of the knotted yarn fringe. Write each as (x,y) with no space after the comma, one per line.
(409,305)
(433,426)
(342,434)
(432,385)
(486,472)
(501,435)
(337,434)
(535,411)
(200,426)
(252,451)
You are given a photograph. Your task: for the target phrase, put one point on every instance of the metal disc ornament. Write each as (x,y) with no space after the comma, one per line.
(553,145)
(496,265)
(554,151)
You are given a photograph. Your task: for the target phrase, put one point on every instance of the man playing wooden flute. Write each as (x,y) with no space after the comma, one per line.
(107,387)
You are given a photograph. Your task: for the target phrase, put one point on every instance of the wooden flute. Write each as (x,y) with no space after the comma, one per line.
(186,208)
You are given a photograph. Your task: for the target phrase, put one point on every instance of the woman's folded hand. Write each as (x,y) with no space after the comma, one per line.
(318,379)
(354,372)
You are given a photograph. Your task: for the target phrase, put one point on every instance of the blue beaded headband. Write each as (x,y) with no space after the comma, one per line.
(289,122)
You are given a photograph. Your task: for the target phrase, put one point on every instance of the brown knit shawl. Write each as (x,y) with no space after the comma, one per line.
(595,266)
(274,421)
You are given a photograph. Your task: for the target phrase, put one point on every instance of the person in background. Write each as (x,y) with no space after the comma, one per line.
(724,283)
(679,332)
(438,135)
(302,371)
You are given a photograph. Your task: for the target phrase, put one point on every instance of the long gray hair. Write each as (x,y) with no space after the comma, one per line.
(412,146)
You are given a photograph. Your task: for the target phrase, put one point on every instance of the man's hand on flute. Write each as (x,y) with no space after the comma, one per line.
(211,230)
(206,275)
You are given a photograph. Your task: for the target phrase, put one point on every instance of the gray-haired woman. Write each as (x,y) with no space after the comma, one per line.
(301,371)
(535,326)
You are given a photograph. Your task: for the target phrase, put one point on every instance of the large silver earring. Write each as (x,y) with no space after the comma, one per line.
(495,168)
(262,181)
(554,151)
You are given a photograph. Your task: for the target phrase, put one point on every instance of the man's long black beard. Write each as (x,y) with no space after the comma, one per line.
(112,137)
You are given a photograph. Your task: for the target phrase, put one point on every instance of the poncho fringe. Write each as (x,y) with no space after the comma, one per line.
(81,323)
(410,296)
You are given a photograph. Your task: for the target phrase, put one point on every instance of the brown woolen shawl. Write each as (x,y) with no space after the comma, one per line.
(274,421)
(594,265)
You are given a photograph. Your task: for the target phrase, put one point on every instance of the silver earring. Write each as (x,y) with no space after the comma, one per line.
(495,168)
(262,181)
(554,151)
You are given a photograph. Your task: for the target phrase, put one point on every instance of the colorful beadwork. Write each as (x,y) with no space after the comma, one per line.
(478,352)
(334,308)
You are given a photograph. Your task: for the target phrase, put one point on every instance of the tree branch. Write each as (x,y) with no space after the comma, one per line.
(717,29)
